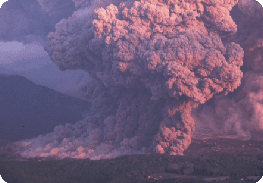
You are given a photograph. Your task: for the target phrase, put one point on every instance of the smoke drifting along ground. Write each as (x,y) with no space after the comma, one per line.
(240,114)
(151,63)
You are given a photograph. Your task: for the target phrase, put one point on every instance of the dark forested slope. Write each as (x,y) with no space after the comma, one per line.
(28,110)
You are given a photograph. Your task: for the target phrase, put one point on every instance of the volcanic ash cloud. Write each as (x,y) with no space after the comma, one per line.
(240,114)
(151,63)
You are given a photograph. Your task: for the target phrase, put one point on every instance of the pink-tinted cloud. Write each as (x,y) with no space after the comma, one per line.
(240,114)
(151,63)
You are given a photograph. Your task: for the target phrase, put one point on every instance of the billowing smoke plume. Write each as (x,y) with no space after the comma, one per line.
(151,63)
(240,114)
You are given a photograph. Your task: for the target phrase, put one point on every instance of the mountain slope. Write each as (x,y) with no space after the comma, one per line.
(28,110)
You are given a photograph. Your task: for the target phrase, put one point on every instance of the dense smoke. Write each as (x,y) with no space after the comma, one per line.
(151,63)
(241,113)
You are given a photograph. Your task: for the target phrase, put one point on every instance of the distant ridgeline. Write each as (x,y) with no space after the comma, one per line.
(28,110)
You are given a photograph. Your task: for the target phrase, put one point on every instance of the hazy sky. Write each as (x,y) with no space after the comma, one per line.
(11,52)
(32,62)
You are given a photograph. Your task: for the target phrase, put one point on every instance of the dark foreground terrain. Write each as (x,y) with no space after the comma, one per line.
(219,158)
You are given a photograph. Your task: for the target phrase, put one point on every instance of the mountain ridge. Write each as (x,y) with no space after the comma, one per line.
(38,108)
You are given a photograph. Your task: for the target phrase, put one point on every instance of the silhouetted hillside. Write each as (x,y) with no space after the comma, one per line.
(28,110)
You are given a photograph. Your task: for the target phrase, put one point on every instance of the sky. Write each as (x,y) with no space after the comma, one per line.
(32,62)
